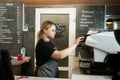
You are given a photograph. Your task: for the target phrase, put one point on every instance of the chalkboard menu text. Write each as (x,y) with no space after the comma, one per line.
(89,17)
(11,15)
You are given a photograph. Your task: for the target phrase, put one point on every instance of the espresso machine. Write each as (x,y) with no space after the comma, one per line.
(106,47)
(103,43)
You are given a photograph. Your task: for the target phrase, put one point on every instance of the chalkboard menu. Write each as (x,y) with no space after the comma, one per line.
(11,15)
(89,17)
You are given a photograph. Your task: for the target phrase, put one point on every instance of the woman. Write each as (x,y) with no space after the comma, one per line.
(47,54)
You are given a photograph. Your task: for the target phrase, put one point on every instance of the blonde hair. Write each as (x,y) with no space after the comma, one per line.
(45,25)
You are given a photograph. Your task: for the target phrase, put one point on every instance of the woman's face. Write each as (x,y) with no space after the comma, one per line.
(50,32)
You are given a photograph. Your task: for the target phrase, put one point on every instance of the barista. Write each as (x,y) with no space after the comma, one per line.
(46,52)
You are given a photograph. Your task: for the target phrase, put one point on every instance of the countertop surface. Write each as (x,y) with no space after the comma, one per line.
(37,78)
(90,77)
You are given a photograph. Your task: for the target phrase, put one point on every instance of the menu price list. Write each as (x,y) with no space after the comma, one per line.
(90,17)
(11,24)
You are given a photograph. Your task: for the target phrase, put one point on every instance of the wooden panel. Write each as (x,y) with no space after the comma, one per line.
(64,2)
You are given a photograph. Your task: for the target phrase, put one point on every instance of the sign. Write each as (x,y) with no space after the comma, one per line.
(89,17)
(11,23)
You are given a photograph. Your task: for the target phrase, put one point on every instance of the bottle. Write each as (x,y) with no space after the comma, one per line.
(23,51)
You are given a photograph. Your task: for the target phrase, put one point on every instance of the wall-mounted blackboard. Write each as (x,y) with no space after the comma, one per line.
(89,17)
(11,23)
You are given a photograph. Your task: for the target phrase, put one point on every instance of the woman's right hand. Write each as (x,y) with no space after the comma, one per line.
(79,40)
